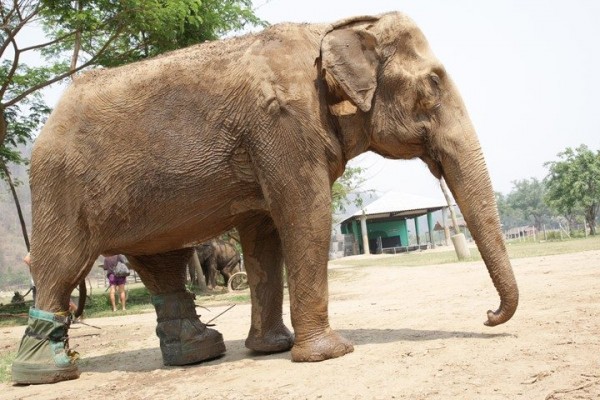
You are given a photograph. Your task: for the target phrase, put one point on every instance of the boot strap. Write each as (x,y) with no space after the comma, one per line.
(191,316)
(30,333)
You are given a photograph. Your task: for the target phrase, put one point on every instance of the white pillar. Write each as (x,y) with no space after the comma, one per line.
(365,234)
(445,222)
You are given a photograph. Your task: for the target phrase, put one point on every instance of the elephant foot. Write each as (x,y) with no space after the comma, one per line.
(44,355)
(275,341)
(183,338)
(322,347)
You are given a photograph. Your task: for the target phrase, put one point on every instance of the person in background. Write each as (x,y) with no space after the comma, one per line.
(115,282)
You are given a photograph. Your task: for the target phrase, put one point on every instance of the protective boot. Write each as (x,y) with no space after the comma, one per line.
(183,338)
(44,355)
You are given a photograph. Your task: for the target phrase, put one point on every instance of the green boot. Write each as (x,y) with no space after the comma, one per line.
(44,355)
(183,338)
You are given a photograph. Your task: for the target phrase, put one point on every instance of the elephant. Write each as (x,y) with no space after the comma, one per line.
(248,132)
(218,256)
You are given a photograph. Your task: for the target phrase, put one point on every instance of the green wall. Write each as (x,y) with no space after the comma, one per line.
(385,229)
(388,229)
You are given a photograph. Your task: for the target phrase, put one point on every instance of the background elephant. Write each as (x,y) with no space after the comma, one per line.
(218,256)
(249,132)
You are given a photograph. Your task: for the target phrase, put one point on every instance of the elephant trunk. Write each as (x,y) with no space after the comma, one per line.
(463,167)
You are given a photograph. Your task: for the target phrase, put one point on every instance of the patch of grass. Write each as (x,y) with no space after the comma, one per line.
(6,360)
(240,298)
(14,314)
(414,259)
(515,250)
(549,248)
(138,301)
(217,298)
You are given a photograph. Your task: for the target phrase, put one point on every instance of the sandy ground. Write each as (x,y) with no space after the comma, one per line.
(418,334)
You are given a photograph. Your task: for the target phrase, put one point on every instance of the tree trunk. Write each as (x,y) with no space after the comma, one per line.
(3,126)
(590,217)
(18,205)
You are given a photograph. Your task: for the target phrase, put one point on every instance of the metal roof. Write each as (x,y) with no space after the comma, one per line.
(397,204)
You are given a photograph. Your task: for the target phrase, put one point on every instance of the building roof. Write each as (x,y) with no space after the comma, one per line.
(397,204)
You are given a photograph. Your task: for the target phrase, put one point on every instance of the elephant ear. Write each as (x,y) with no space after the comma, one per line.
(349,57)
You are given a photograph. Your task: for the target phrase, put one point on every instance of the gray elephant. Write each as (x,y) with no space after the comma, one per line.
(218,256)
(249,132)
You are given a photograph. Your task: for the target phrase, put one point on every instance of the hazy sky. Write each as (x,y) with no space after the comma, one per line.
(529,72)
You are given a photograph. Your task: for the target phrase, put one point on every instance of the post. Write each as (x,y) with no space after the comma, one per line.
(545,234)
(355,248)
(446,229)
(458,240)
(365,233)
(430,226)
(417,232)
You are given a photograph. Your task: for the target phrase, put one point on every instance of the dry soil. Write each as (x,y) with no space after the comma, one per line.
(418,334)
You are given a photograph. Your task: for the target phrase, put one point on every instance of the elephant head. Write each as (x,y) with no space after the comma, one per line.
(389,94)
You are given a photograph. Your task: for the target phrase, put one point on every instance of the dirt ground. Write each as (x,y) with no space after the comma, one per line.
(418,334)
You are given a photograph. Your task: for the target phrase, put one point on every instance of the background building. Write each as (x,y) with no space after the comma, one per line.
(383,225)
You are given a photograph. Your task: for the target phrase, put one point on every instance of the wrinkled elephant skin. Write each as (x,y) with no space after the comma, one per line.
(248,132)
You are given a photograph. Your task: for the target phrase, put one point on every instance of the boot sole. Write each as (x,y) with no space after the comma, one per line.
(32,374)
(207,350)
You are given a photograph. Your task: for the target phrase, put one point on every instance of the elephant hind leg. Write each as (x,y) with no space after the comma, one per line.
(227,271)
(264,265)
(184,339)
(162,273)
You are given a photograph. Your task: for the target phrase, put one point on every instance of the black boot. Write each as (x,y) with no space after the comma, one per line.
(183,338)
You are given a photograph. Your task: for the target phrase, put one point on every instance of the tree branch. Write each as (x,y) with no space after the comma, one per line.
(57,78)
(7,17)
(16,8)
(77,44)
(12,71)
(39,46)
(11,34)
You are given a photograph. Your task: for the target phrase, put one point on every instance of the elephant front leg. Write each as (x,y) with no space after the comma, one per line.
(305,231)
(44,355)
(263,261)
(212,272)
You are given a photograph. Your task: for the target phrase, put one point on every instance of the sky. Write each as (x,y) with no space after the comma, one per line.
(528,71)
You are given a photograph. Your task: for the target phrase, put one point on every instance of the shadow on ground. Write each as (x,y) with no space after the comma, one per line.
(366,336)
(145,360)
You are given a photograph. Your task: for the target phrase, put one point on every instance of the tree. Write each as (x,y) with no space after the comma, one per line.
(527,196)
(574,184)
(81,34)
(345,189)
(84,33)
(509,216)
